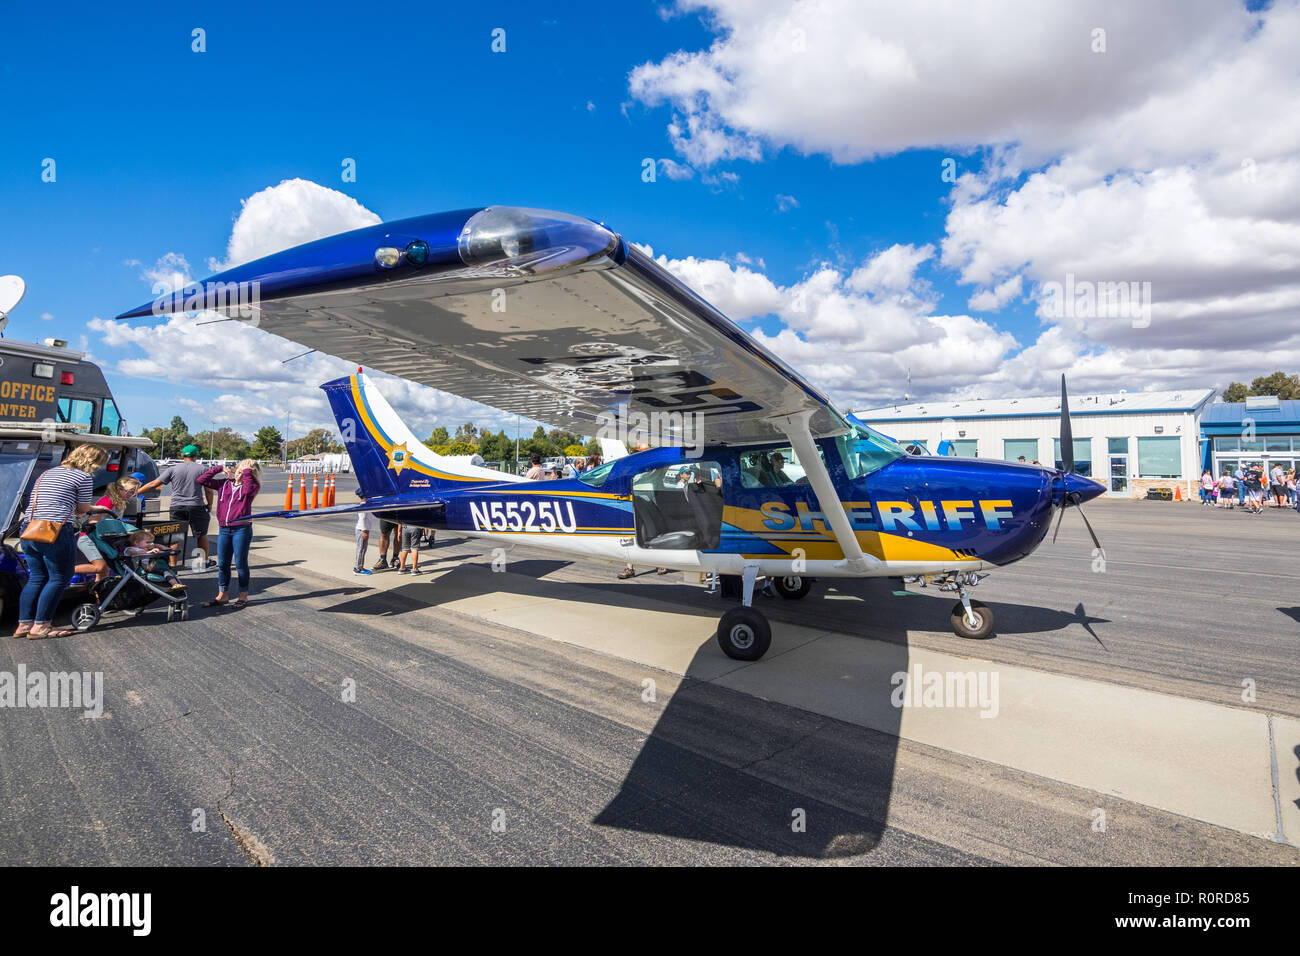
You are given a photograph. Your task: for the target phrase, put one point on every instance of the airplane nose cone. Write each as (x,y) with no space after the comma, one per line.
(1082,489)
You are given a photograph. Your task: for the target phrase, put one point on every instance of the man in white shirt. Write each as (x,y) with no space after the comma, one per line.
(365,524)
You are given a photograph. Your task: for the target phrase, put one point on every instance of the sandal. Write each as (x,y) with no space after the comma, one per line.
(23,629)
(215,603)
(35,635)
(625,574)
(241,603)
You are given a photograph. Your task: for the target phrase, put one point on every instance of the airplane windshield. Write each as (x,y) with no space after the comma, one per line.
(596,476)
(864,451)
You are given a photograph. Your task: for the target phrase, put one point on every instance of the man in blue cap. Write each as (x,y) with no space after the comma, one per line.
(190,502)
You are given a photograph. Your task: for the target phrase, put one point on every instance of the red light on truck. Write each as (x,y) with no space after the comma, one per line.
(67,378)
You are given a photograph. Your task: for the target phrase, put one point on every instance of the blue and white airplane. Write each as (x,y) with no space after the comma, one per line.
(560,320)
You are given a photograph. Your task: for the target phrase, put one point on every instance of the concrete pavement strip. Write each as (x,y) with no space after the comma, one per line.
(1221,765)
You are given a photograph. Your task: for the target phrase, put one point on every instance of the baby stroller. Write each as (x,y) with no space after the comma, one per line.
(131,586)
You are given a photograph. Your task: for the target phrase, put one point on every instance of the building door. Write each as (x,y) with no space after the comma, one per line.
(1119,476)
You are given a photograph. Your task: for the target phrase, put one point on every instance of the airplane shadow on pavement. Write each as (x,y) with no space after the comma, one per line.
(726,762)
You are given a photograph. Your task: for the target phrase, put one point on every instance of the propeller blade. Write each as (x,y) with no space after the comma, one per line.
(1060,518)
(1095,542)
(1067,434)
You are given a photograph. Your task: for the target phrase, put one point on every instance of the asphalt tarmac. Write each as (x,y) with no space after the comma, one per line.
(329,722)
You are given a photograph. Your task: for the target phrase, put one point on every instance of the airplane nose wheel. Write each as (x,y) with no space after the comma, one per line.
(974,623)
(744,634)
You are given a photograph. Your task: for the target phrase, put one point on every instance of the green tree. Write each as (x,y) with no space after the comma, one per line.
(498,447)
(461,448)
(318,441)
(593,447)
(439,436)
(1235,392)
(223,443)
(1285,387)
(467,433)
(574,451)
(267,443)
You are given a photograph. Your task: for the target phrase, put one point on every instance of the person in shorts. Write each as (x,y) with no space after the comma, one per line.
(191,503)
(388,531)
(410,545)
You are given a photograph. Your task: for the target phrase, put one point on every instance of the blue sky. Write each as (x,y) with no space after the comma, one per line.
(156,146)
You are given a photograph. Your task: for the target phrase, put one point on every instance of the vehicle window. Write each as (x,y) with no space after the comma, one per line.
(78,411)
(13,482)
(110,422)
(773,468)
(596,476)
(864,451)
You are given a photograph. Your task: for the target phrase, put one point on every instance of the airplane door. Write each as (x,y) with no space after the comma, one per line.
(679,507)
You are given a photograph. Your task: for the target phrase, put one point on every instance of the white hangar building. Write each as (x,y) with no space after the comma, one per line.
(1132,441)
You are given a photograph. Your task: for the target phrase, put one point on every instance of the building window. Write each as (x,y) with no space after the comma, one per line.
(966,447)
(1160,457)
(1013,448)
(1117,446)
(1227,444)
(1277,444)
(1082,455)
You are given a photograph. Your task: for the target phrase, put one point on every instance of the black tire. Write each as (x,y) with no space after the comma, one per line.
(744,634)
(185,612)
(85,616)
(982,614)
(792,587)
(173,613)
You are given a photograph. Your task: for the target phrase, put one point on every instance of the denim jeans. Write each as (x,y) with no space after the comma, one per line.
(233,541)
(49,568)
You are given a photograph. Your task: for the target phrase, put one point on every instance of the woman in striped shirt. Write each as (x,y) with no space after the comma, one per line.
(60,494)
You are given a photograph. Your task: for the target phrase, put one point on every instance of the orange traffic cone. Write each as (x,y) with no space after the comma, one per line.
(1178,492)
(288,495)
(302,494)
(329,490)
(315,492)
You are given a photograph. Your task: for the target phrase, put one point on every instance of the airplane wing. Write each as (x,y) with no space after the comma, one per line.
(538,313)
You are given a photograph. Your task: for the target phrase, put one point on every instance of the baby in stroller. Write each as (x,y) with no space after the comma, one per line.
(134,580)
(143,543)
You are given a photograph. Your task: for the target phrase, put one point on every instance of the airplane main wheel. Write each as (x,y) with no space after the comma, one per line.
(85,616)
(792,587)
(983,621)
(744,634)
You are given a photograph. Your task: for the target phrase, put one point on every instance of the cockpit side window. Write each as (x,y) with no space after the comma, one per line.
(863,451)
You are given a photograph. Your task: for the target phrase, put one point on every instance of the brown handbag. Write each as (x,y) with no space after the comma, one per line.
(38,529)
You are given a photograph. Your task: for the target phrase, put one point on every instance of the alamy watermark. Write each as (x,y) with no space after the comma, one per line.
(950,689)
(636,428)
(236,299)
(1085,299)
(67,689)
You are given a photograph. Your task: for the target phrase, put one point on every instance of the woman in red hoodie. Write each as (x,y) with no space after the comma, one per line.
(236,488)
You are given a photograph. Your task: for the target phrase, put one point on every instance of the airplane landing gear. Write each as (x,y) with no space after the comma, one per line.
(792,586)
(743,633)
(971,619)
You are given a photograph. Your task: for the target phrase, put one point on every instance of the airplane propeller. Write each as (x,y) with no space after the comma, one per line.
(1068,497)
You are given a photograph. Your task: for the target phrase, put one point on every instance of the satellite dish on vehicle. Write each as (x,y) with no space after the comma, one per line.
(12,289)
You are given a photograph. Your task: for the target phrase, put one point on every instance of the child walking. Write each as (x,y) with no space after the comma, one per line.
(365,524)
